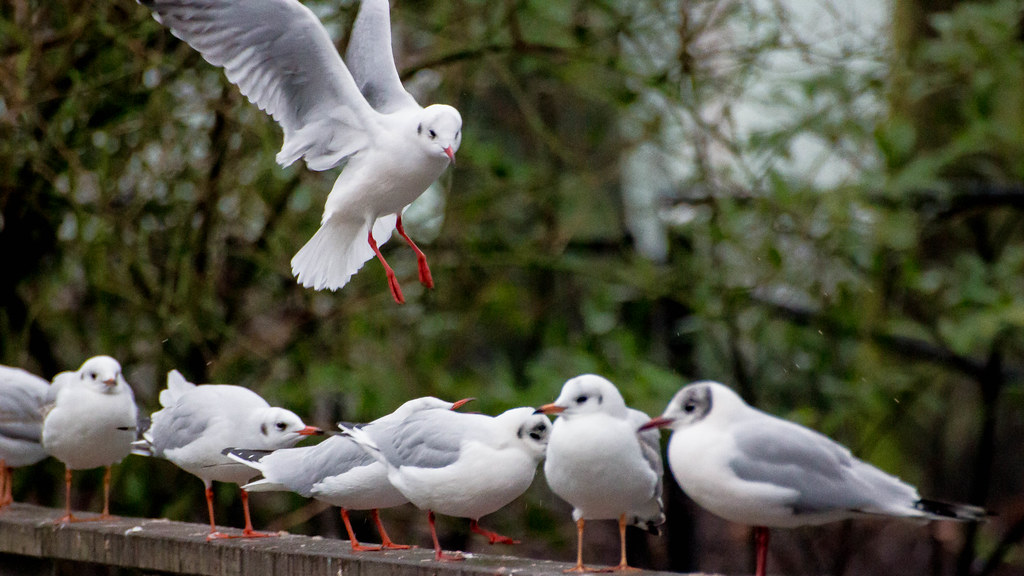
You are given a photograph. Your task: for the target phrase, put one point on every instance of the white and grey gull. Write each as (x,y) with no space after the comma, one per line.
(598,461)
(354,113)
(91,422)
(22,398)
(338,471)
(753,468)
(196,425)
(457,464)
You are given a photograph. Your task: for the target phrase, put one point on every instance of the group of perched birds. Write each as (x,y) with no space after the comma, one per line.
(599,455)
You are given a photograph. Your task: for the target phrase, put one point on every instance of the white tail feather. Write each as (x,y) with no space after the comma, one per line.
(337,251)
(176,386)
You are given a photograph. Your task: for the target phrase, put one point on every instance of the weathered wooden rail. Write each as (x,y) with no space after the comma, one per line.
(30,543)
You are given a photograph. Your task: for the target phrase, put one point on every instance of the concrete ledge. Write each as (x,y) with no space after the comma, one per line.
(181,548)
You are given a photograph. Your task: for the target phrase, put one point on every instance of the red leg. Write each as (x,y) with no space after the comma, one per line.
(579,567)
(385,541)
(623,566)
(106,494)
(67,498)
(356,546)
(248,532)
(492,537)
(396,290)
(5,484)
(214,534)
(439,554)
(421,259)
(761,538)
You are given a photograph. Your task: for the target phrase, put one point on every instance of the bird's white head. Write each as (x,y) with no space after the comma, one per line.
(696,403)
(280,428)
(587,394)
(102,374)
(440,129)
(529,427)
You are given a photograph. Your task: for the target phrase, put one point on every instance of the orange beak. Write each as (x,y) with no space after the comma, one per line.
(111,382)
(550,409)
(311,431)
(451,154)
(659,422)
(460,403)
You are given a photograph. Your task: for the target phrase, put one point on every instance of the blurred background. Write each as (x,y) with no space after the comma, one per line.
(817,202)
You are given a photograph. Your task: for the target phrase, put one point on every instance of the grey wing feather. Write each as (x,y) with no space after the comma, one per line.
(22,401)
(822,472)
(370,59)
(427,439)
(282,60)
(175,427)
(653,513)
(301,468)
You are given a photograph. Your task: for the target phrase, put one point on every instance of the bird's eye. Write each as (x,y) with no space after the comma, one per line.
(92,375)
(581,399)
(432,134)
(281,426)
(689,406)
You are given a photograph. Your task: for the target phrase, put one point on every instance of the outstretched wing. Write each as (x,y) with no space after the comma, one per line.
(369,56)
(281,58)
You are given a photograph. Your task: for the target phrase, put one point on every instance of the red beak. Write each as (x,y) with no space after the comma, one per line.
(311,431)
(451,154)
(550,409)
(659,422)
(460,403)
(111,382)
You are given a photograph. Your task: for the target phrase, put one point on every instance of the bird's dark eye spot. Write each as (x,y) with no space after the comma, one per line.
(281,426)
(419,129)
(432,134)
(92,375)
(263,429)
(581,399)
(689,406)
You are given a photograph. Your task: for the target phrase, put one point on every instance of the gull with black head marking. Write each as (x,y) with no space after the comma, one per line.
(753,468)
(598,461)
(354,113)
(338,471)
(198,423)
(457,464)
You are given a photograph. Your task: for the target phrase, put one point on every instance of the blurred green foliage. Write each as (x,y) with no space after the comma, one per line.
(843,241)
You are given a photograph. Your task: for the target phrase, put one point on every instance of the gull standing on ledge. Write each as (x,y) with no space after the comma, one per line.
(279,55)
(338,471)
(465,465)
(196,425)
(599,463)
(92,423)
(22,397)
(752,468)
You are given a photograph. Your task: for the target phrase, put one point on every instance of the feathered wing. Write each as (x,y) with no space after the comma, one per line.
(338,250)
(821,474)
(652,513)
(281,58)
(370,59)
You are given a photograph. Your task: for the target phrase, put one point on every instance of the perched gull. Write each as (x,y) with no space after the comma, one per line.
(465,465)
(197,423)
(22,397)
(599,463)
(337,471)
(752,468)
(92,422)
(282,59)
